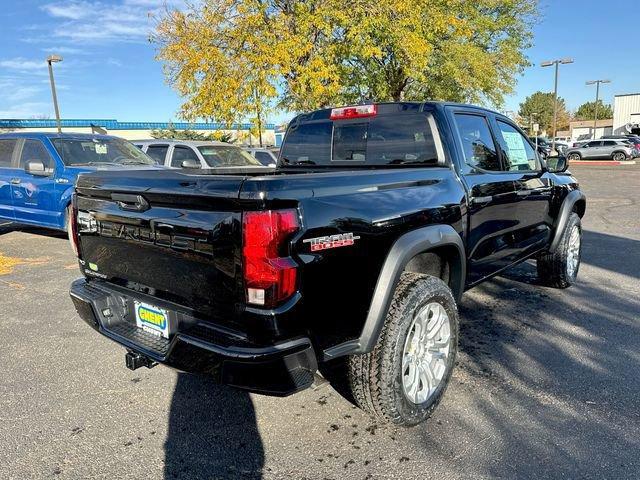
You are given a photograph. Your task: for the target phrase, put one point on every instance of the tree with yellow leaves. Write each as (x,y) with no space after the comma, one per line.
(233,59)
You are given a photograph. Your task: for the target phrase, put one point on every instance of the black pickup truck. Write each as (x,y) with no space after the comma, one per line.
(352,252)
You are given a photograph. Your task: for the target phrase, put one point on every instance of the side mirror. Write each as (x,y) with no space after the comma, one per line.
(37,168)
(557,164)
(190,164)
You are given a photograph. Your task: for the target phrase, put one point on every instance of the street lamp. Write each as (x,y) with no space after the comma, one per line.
(50,60)
(549,63)
(597,84)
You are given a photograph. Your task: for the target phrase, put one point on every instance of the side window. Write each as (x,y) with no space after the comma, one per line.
(594,144)
(35,150)
(479,149)
(608,143)
(264,158)
(6,152)
(519,154)
(158,152)
(181,154)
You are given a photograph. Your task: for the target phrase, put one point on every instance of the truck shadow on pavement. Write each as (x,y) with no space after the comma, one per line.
(554,372)
(9,227)
(546,386)
(212,432)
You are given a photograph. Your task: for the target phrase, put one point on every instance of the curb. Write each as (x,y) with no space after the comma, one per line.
(602,163)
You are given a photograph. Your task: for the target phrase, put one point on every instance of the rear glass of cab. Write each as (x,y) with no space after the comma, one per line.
(394,138)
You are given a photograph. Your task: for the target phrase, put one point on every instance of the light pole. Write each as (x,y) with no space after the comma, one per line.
(597,84)
(532,118)
(50,60)
(549,63)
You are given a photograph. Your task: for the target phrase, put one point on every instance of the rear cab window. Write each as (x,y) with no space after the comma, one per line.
(388,137)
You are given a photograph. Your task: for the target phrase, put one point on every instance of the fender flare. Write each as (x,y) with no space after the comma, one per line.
(403,250)
(563,215)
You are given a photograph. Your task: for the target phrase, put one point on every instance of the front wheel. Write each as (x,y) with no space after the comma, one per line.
(559,268)
(405,376)
(619,156)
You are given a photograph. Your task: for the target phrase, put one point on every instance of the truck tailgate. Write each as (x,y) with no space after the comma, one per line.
(175,238)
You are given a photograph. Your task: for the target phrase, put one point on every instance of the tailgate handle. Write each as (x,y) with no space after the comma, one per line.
(135,203)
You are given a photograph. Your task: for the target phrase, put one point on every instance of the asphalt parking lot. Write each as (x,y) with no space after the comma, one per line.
(547,383)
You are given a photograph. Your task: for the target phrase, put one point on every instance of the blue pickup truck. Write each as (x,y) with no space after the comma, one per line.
(38,172)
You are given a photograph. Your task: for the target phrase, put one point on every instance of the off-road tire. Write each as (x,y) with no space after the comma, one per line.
(552,266)
(375,378)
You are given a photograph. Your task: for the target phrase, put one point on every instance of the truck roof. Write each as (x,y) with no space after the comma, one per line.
(394,107)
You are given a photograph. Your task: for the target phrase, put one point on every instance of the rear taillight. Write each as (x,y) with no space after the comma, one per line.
(73,226)
(269,273)
(357,111)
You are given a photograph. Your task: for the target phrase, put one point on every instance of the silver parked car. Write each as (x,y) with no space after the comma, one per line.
(266,156)
(196,154)
(603,150)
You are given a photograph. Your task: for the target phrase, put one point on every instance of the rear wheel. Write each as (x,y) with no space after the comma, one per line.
(574,157)
(619,156)
(559,268)
(403,379)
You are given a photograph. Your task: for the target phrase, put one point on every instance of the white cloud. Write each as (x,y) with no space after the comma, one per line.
(27,110)
(23,65)
(20,93)
(102,22)
(73,10)
(66,50)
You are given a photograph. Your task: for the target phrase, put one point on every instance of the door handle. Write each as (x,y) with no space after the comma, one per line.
(15,181)
(136,203)
(486,199)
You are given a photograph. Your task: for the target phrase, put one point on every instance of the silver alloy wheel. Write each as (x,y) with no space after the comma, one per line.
(619,157)
(574,157)
(425,354)
(573,252)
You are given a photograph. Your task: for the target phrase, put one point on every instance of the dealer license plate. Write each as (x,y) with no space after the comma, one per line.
(152,319)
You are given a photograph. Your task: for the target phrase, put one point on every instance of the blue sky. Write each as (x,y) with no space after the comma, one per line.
(109,70)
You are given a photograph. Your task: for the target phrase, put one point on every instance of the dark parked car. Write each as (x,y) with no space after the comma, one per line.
(543,145)
(350,256)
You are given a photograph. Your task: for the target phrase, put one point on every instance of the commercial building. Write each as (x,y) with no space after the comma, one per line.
(583,129)
(137,130)
(626,114)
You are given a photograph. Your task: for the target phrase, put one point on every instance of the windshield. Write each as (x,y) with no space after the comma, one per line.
(100,151)
(227,156)
(384,140)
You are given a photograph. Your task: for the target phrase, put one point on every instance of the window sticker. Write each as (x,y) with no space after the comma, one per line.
(516,150)
(101,148)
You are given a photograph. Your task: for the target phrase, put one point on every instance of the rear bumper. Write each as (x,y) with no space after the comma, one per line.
(279,369)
